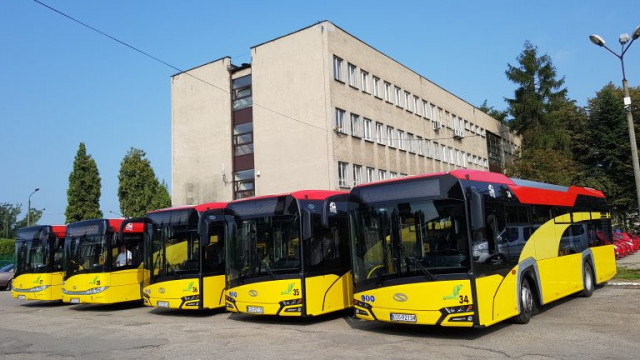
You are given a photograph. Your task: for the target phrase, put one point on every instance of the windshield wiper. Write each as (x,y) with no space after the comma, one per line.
(268,268)
(424,270)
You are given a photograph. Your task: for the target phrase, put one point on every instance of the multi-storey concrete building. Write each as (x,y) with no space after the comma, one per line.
(319,109)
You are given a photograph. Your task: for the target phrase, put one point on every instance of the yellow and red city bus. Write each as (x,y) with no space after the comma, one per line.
(103,263)
(288,254)
(39,269)
(471,248)
(185,257)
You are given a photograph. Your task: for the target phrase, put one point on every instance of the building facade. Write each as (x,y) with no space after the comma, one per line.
(319,109)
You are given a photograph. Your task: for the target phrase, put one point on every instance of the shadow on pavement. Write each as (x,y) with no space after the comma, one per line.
(289,320)
(186,313)
(43,304)
(107,307)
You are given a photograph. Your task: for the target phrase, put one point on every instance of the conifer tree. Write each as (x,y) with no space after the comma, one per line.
(139,190)
(83,194)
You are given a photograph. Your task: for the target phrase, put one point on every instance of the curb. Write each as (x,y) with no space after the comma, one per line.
(624,283)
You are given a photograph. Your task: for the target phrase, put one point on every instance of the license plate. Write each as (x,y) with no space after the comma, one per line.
(403,317)
(21,297)
(255,309)
(164,304)
(75,301)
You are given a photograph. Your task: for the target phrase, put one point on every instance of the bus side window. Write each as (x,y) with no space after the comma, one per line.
(489,249)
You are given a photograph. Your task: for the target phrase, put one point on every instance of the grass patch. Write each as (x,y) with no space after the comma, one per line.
(627,274)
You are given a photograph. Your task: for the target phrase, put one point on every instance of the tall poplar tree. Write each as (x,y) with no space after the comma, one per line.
(83,194)
(139,190)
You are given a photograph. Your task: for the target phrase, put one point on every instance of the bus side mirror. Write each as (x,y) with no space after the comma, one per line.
(477,211)
(306,224)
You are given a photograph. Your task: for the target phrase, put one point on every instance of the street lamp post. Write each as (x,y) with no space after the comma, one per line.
(29,207)
(624,40)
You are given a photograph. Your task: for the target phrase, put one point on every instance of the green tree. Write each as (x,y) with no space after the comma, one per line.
(9,222)
(539,91)
(83,194)
(491,111)
(139,190)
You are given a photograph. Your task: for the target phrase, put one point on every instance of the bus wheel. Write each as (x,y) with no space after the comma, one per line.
(587,280)
(527,303)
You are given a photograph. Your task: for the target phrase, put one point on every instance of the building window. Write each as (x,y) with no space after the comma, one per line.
(403,175)
(342,174)
(340,121)
(371,174)
(458,158)
(364,81)
(376,86)
(407,101)
(411,143)
(436,151)
(398,94)
(356,125)
(244,184)
(464,159)
(387,91)
(243,139)
(390,133)
(452,156)
(379,133)
(416,105)
(242,92)
(337,68)
(367,129)
(445,155)
(425,109)
(351,75)
(401,143)
(357,174)
(393,174)
(382,174)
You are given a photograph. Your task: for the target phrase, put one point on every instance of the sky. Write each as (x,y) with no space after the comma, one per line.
(62,84)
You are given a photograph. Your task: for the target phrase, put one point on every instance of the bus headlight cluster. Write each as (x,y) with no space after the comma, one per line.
(191,297)
(458,309)
(96,290)
(291,302)
(461,318)
(294,309)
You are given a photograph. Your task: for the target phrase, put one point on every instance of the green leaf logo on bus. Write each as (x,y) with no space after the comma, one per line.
(94,281)
(190,288)
(37,280)
(456,291)
(289,289)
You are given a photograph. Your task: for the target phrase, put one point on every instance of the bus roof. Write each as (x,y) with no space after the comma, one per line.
(59,230)
(531,192)
(299,195)
(199,208)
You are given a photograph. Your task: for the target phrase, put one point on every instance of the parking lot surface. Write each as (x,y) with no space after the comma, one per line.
(605,326)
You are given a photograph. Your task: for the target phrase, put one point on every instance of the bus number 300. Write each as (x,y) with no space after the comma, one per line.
(464,299)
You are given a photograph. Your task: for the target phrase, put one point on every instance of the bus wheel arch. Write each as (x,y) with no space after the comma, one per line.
(529,297)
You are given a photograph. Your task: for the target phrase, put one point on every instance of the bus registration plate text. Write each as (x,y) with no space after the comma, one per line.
(403,317)
(75,301)
(164,304)
(255,309)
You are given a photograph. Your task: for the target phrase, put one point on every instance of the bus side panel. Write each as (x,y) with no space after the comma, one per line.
(560,276)
(505,303)
(126,285)
(213,292)
(327,293)
(604,261)
(496,298)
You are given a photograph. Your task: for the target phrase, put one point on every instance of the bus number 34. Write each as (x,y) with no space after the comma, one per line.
(464,299)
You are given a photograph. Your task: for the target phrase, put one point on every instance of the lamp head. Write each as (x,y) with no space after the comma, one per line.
(37,189)
(596,39)
(636,34)
(624,38)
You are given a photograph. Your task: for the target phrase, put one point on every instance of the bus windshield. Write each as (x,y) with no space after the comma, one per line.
(87,253)
(264,246)
(406,239)
(34,251)
(175,245)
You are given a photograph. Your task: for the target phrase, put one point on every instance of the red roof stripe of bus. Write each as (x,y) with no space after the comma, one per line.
(418,176)
(299,195)
(484,176)
(530,195)
(59,230)
(137,227)
(210,206)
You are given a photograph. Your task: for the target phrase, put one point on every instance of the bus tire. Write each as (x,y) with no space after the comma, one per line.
(588,282)
(527,303)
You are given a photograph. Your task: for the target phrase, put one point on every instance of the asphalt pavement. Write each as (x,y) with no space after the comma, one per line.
(604,326)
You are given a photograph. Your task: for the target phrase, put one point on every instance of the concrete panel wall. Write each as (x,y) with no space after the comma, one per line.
(201,134)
